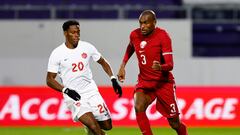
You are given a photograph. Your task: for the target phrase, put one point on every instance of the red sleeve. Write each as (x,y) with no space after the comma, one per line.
(168,65)
(167,53)
(129,51)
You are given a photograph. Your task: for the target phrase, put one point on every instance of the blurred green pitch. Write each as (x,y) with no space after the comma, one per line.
(114,131)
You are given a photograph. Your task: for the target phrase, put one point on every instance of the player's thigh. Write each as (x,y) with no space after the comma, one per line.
(89,120)
(142,99)
(77,108)
(99,107)
(166,100)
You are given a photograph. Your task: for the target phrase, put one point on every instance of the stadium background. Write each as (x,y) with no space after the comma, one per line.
(206,45)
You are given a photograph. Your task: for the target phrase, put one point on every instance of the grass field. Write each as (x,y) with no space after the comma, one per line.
(114,131)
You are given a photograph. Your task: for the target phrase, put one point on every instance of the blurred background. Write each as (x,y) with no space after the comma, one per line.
(205,35)
(205,38)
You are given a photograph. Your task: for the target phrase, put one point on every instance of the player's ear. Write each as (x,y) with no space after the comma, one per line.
(65,33)
(155,22)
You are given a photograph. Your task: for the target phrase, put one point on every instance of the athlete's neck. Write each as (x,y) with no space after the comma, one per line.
(150,33)
(70,46)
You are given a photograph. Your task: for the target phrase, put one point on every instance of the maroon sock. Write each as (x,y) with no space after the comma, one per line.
(182,130)
(143,123)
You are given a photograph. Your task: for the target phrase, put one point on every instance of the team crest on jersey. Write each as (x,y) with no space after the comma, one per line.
(143,44)
(84,55)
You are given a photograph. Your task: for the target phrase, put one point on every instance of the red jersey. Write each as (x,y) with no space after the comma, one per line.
(154,47)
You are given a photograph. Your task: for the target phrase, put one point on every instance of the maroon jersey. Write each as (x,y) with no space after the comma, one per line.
(155,47)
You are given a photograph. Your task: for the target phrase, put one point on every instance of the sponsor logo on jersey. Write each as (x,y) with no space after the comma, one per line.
(106,114)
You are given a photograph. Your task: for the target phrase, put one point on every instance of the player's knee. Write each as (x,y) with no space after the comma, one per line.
(139,108)
(175,125)
(141,104)
(107,127)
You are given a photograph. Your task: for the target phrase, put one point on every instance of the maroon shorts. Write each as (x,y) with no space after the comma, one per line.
(165,94)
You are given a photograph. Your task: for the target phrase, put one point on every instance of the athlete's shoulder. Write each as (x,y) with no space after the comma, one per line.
(161,31)
(86,45)
(59,48)
(135,33)
(57,52)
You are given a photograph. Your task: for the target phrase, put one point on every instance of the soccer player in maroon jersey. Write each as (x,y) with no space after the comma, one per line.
(153,48)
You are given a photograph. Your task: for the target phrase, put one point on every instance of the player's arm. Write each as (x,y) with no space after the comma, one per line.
(107,68)
(167,55)
(167,66)
(129,52)
(53,83)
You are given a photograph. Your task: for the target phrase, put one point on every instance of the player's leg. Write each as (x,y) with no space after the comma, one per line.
(82,112)
(167,106)
(88,131)
(106,125)
(178,126)
(100,112)
(141,102)
(88,120)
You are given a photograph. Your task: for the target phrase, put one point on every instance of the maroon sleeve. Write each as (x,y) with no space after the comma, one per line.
(129,51)
(168,65)
(167,53)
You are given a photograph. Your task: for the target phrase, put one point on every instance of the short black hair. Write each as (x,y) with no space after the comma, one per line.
(68,23)
(149,12)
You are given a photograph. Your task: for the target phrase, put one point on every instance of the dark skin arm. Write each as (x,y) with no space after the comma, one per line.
(52,82)
(106,66)
(129,52)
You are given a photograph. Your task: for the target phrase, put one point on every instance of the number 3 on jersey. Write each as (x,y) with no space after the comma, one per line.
(77,66)
(143,59)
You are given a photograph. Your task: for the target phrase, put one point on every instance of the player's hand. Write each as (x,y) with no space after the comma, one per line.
(156,65)
(117,88)
(121,74)
(72,94)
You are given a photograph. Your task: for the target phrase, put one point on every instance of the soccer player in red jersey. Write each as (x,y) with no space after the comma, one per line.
(153,48)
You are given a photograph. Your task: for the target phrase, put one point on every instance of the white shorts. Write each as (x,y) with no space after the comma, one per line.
(90,102)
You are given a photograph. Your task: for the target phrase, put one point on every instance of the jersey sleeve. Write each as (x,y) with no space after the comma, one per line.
(129,51)
(95,54)
(167,52)
(166,44)
(53,64)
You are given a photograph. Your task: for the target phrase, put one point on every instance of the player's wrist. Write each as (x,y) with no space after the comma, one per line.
(113,77)
(123,65)
(64,89)
(160,67)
